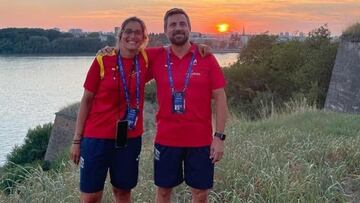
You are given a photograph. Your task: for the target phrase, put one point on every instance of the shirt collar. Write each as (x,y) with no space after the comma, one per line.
(192,49)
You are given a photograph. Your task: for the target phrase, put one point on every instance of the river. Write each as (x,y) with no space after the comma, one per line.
(34,88)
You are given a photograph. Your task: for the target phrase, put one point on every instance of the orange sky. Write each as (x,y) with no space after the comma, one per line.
(255,15)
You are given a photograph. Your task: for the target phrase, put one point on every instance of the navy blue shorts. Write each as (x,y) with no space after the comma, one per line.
(98,156)
(173,165)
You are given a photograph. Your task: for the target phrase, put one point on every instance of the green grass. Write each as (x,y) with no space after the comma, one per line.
(303,156)
(352,33)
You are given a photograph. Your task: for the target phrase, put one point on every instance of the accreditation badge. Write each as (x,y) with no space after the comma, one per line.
(178,100)
(132,117)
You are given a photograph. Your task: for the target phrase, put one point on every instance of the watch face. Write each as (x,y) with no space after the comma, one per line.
(221,136)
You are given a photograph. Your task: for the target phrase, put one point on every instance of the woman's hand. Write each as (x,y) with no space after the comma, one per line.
(75,153)
(106,51)
(204,50)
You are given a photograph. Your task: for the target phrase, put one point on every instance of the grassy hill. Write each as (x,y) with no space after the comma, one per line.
(303,156)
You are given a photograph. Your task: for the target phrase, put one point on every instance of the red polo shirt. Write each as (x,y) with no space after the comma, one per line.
(109,103)
(192,128)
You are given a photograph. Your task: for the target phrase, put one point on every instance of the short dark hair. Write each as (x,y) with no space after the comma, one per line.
(175,11)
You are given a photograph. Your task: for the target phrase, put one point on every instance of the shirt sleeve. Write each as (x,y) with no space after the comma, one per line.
(92,80)
(153,54)
(216,74)
(149,74)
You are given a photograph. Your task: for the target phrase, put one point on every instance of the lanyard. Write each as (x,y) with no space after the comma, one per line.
(188,73)
(122,74)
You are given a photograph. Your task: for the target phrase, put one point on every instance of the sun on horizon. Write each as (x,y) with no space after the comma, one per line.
(222,27)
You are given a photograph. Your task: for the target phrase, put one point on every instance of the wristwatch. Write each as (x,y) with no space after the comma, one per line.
(221,136)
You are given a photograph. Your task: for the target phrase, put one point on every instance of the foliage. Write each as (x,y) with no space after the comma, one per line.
(34,147)
(40,41)
(257,49)
(157,39)
(31,153)
(303,156)
(270,73)
(352,33)
(150,92)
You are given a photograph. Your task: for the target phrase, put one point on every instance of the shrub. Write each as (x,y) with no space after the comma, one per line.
(34,147)
(269,73)
(150,92)
(352,33)
(30,154)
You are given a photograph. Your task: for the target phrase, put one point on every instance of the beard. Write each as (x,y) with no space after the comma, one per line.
(179,40)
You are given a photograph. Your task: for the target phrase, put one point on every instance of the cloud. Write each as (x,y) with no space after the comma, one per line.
(258,14)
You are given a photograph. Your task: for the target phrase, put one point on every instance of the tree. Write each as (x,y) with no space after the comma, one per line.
(38,44)
(257,49)
(318,36)
(6,46)
(94,35)
(271,72)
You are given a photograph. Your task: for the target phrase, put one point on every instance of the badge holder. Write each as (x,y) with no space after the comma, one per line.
(132,117)
(178,100)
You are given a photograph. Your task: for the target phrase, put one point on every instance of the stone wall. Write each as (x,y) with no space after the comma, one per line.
(64,128)
(62,132)
(344,89)
(61,136)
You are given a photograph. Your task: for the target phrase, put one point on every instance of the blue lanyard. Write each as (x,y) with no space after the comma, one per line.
(188,73)
(122,74)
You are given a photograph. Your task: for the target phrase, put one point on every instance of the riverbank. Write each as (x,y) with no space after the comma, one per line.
(303,156)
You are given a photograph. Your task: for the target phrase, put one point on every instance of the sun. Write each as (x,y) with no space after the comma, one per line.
(222,27)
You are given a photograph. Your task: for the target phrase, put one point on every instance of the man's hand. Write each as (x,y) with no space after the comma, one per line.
(75,153)
(204,50)
(216,149)
(106,51)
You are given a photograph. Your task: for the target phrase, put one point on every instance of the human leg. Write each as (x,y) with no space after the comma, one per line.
(124,169)
(168,170)
(199,172)
(93,169)
(94,197)
(163,195)
(199,195)
(122,196)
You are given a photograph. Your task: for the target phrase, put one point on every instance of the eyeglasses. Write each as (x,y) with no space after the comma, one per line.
(136,32)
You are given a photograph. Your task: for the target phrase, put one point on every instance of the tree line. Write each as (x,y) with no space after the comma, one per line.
(40,41)
(269,74)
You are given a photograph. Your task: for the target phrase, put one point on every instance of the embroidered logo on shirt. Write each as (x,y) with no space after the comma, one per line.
(171,63)
(133,73)
(195,74)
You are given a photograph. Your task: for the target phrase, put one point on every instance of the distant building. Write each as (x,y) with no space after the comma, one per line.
(286,36)
(76,32)
(104,36)
(117,31)
(244,39)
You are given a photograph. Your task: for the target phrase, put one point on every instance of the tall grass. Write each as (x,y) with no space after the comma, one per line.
(352,33)
(303,156)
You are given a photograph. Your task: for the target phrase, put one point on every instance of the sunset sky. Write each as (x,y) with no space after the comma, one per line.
(255,15)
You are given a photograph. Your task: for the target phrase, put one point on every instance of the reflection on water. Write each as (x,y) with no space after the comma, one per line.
(32,89)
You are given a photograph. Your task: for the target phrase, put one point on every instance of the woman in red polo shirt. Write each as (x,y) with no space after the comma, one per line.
(110,108)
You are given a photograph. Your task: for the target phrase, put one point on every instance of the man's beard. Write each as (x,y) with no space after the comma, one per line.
(179,42)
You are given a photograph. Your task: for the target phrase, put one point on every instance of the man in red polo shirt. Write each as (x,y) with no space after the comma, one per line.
(185,147)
